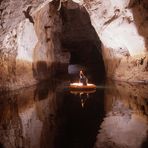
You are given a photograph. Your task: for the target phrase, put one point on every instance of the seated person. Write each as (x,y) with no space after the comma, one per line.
(83,78)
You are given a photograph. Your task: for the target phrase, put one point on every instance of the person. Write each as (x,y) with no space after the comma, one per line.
(83,78)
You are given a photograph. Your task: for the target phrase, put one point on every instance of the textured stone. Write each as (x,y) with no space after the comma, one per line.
(32,50)
(122,29)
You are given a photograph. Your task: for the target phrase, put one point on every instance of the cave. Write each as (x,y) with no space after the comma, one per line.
(44,44)
(80,39)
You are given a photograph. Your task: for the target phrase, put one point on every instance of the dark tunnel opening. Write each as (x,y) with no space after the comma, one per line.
(81,40)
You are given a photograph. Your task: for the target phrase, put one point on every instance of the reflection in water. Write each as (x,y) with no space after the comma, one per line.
(83,95)
(125,124)
(47,116)
(25,115)
(80,125)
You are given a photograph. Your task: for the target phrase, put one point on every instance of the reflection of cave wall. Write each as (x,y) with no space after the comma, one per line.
(131,95)
(125,124)
(28,116)
(81,40)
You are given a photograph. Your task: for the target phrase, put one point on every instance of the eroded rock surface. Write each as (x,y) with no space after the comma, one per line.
(30,31)
(122,28)
(30,49)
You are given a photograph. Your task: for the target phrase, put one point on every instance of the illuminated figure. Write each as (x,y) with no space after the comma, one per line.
(83,78)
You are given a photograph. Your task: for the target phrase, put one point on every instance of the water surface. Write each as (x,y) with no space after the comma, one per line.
(48,115)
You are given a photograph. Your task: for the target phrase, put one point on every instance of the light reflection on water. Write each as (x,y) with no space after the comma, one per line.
(50,116)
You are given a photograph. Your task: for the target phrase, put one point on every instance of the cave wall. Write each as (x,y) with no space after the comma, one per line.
(122,28)
(30,51)
(11,13)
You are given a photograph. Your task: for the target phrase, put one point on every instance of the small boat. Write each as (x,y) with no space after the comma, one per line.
(80,86)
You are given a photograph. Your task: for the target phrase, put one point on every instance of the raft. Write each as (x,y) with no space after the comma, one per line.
(80,86)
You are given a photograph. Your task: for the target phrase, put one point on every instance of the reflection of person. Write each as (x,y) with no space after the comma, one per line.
(83,97)
(83,78)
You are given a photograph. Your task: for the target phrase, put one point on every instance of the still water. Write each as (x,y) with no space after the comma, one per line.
(48,115)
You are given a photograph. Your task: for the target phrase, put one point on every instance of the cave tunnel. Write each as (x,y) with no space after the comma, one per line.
(35,96)
(81,40)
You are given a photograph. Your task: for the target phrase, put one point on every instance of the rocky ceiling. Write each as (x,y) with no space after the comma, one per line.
(109,18)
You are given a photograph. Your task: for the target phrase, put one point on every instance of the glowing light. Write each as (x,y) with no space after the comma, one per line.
(76,84)
(81,84)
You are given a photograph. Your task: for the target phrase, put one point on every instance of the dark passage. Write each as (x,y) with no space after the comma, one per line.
(81,40)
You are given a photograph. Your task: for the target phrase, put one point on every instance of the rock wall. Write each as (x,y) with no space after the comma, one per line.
(122,28)
(30,44)
(31,50)
(12,13)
